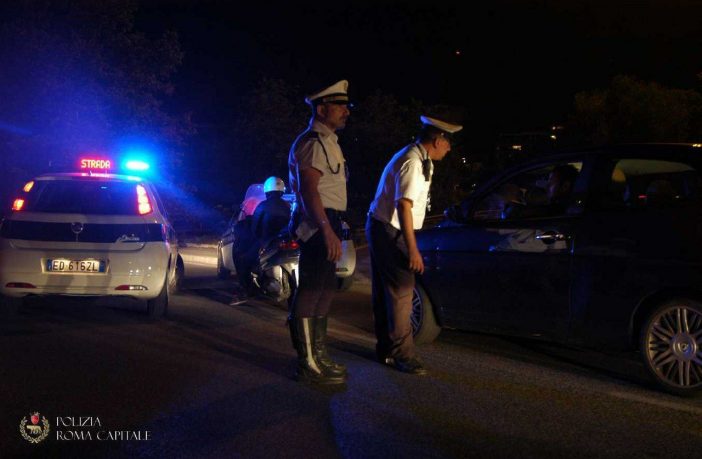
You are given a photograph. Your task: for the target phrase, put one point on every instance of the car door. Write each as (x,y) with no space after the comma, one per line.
(508,267)
(640,237)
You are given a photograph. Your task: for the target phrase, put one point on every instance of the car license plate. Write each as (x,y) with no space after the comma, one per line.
(63,265)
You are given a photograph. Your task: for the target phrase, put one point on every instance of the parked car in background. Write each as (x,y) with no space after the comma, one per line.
(617,265)
(239,225)
(89,233)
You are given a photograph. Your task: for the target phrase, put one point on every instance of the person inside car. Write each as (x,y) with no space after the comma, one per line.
(550,202)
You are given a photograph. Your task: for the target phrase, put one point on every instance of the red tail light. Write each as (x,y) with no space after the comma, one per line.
(18,204)
(289,245)
(19,285)
(143,200)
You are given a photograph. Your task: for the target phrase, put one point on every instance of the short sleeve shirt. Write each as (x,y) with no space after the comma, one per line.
(403,177)
(318,148)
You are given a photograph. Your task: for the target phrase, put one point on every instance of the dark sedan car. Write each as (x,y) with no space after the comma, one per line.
(610,258)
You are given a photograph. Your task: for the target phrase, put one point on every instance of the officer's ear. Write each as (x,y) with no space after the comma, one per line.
(321,110)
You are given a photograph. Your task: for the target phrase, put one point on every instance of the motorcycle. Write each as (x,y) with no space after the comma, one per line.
(275,274)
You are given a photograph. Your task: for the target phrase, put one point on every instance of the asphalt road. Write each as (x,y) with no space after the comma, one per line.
(215,380)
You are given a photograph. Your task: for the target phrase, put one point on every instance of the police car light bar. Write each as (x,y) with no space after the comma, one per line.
(135,165)
(92,164)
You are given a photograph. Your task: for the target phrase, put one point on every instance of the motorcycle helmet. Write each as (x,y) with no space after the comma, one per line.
(273,184)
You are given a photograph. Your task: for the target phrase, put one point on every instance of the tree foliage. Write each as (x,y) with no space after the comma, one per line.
(631,110)
(78,76)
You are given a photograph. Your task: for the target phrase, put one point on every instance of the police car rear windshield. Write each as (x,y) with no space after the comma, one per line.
(99,197)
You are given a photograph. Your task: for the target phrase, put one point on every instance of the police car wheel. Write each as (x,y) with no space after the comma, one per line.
(424,326)
(222,272)
(671,346)
(157,307)
(176,283)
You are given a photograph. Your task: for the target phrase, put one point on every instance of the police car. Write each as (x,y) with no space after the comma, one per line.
(89,233)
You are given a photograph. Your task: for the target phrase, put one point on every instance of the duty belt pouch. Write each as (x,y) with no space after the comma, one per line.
(295,220)
(301,228)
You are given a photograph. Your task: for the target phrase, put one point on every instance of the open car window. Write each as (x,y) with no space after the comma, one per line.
(545,191)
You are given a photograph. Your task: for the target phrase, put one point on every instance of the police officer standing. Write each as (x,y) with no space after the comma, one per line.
(398,210)
(318,178)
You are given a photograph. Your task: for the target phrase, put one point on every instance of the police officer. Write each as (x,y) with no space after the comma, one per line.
(318,178)
(273,214)
(398,210)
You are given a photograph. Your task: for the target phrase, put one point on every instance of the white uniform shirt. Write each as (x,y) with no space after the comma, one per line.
(318,148)
(403,178)
(321,152)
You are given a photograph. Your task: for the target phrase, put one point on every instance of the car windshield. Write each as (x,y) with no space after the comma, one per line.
(83,197)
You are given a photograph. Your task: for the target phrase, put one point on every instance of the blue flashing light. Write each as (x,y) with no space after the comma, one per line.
(136,165)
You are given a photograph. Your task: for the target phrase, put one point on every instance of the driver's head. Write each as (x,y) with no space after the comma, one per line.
(561,182)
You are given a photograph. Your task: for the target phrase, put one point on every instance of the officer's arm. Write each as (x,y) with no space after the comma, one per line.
(312,204)
(404,214)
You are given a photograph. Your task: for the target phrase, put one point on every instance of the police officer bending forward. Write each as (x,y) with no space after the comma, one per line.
(318,178)
(396,212)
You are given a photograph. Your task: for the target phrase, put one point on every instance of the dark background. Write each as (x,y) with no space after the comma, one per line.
(498,68)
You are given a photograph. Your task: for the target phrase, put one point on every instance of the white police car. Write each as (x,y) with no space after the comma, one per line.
(89,234)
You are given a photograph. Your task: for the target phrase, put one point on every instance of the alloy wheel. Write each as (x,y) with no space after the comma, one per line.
(417,311)
(673,346)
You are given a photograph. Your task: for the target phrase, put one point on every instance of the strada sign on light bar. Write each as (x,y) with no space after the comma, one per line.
(95,164)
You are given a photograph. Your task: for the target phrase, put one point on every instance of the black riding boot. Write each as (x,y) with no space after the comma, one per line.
(308,367)
(320,349)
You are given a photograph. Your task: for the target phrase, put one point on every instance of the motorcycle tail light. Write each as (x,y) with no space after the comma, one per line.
(289,245)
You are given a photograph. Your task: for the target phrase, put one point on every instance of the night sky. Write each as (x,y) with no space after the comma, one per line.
(510,66)
(513,65)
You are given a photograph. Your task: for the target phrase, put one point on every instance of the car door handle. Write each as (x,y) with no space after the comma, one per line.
(549,237)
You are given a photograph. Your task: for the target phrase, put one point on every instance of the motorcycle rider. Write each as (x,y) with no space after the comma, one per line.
(272,215)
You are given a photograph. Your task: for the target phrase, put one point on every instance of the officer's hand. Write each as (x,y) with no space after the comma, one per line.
(333,246)
(416,263)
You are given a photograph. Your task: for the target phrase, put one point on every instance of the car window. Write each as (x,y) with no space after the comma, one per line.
(83,197)
(159,202)
(647,183)
(540,192)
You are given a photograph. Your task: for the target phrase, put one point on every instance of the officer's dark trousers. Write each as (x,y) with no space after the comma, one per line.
(393,283)
(317,277)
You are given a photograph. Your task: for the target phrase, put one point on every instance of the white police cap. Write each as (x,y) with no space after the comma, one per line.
(441,125)
(334,94)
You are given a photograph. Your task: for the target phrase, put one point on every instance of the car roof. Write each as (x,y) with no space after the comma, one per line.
(615,150)
(88,176)
(603,151)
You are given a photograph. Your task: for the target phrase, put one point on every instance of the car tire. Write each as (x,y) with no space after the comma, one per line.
(423,321)
(286,291)
(222,272)
(176,282)
(158,307)
(671,345)
(344,283)
(9,305)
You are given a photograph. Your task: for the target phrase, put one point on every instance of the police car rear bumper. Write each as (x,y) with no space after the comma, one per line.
(24,272)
